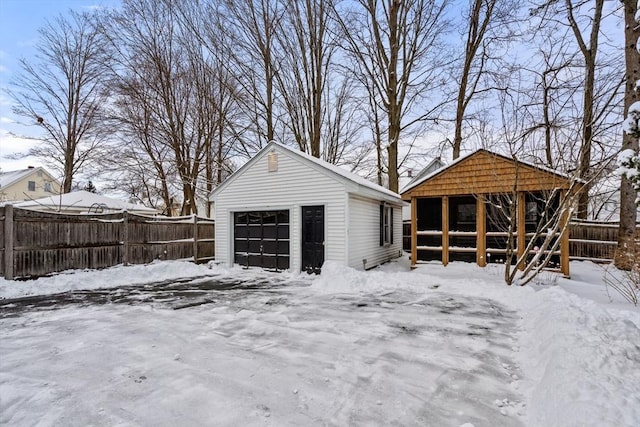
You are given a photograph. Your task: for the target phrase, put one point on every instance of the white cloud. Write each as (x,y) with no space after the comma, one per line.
(10,145)
(6,120)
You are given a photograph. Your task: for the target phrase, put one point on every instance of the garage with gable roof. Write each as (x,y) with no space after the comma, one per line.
(285,209)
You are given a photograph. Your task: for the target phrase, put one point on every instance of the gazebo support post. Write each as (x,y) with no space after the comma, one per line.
(481,231)
(564,240)
(445,230)
(414,231)
(521,205)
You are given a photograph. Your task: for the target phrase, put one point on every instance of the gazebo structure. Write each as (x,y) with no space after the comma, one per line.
(461,212)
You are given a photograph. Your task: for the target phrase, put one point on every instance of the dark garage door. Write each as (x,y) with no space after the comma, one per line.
(261,239)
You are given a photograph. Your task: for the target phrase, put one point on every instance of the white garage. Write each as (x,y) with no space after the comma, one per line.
(287,210)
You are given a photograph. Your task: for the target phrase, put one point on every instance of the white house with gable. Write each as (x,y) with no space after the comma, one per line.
(285,209)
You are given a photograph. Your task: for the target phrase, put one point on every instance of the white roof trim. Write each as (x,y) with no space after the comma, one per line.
(368,188)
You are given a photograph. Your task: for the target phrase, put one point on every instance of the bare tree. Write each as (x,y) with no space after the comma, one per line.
(626,252)
(396,44)
(488,24)
(144,166)
(62,91)
(585,20)
(308,47)
(342,123)
(172,67)
(250,29)
(551,97)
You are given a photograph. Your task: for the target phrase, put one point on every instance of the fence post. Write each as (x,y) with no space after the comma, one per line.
(195,238)
(8,242)
(125,238)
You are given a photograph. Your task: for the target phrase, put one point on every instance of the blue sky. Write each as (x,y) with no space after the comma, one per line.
(19,23)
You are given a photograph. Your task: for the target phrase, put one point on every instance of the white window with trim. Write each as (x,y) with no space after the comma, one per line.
(386,224)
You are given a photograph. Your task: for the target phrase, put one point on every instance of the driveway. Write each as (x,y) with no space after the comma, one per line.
(175,294)
(218,351)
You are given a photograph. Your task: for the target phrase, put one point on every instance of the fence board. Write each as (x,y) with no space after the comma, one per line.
(45,243)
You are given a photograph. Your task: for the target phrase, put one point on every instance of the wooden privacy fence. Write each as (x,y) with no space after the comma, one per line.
(588,240)
(594,240)
(36,243)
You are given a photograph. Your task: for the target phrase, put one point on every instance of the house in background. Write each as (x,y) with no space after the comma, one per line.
(285,209)
(82,202)
(27,184)
(408,181)
(456,211)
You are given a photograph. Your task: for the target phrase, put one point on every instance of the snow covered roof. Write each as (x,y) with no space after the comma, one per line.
(10,177)
(431,167)
(413,184)
(83,201)
(331,168)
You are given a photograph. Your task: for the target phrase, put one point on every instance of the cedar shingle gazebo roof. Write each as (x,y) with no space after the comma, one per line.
(450,207)
(485,172)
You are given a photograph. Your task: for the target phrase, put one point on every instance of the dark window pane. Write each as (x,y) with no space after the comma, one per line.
(269,231)
(283,246)
(269,218)
(241,231)
(241,217)
(255,218)
(254,246)
(269,261)
(255,231)
(283,263)
(269,246)
(283,217)
(241,246)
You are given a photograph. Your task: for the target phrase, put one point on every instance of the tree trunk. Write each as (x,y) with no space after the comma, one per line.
(547,122)
(625,251)
(392,95)
(68,172)
(589,53)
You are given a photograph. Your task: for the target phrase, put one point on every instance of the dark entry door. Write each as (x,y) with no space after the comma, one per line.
(261,239)
(312,238)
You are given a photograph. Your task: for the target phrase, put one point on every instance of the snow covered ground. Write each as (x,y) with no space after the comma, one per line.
(441,346)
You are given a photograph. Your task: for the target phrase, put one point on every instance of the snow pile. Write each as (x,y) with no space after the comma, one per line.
(102,279)
(337,279)
(580,361)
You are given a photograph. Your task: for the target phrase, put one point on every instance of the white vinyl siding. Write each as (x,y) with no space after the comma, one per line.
(294,184)
(364,233)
